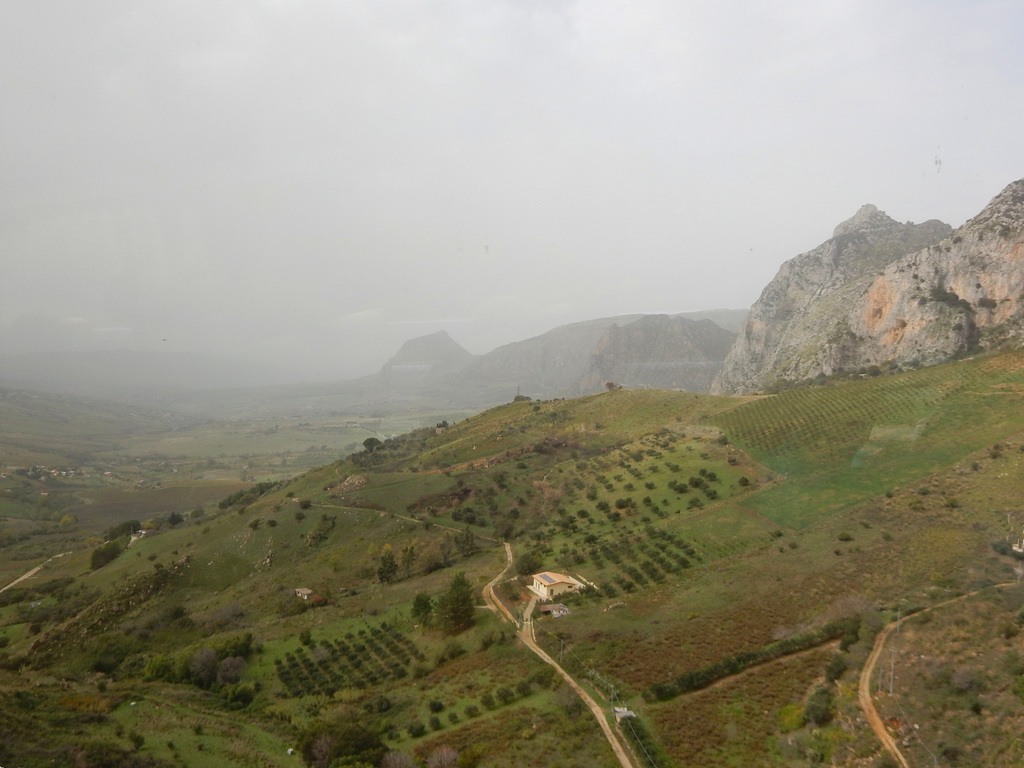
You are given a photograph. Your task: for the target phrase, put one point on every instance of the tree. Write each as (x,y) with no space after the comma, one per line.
(349,743)
(445,548)
(819,709)
(465,541)
(175,518)
(204,667)
(397,760)
(408,558)
(104,553)
(455,607)
(528,563)
(371,444)
(230,670)
(422,607)
(387,566)
(443,757)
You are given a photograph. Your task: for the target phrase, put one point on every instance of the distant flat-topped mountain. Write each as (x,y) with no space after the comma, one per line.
(883,293)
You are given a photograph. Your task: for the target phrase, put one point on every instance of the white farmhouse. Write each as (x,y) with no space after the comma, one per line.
(548,585)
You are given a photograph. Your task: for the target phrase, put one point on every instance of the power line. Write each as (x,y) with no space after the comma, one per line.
(598,679)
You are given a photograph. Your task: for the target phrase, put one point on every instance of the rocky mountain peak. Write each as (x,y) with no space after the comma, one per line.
(808,299)
(867,219)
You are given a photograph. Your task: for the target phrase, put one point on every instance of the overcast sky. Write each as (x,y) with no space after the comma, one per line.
(315,182)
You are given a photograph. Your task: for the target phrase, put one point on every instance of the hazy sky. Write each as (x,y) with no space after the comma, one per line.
(315,182)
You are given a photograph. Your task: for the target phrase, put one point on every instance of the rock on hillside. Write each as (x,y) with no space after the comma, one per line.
(800,325)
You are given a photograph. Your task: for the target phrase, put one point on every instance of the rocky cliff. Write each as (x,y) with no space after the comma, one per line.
(883,293)
(641,351)
(658,352)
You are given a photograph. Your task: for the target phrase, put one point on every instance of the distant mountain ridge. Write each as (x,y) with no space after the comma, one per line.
(637,351)
(433,371)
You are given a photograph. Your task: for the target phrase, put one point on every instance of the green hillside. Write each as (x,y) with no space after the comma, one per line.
(740,555)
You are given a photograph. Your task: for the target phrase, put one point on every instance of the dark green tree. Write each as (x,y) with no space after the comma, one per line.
(408,558)
(529,563)
(465,542)
(104,553)
(348,743)
(371,444)
(444,548)
(820,707)
(387,566)
(422,608)
(455,607)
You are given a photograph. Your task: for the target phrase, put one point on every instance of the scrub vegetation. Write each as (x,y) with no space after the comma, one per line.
(738,556)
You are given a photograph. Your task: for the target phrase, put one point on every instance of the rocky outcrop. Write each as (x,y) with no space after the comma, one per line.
(883,293)
(658,352)
(963,294)
(637,351)
(800,325)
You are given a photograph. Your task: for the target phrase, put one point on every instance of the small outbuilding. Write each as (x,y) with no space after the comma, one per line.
(304,593)
(554,610)
(548,585)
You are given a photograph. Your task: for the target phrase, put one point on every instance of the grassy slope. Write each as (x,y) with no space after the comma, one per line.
(861,494)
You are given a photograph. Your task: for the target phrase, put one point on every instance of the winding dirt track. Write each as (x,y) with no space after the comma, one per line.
(525,633)
(491,599)
(864,684)
(866,704)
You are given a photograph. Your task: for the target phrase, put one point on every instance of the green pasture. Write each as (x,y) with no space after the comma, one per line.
(832,446)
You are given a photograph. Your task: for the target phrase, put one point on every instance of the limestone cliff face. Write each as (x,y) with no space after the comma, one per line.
(799,325)
(658,352)
(643,351)
(965,293)
(883,292)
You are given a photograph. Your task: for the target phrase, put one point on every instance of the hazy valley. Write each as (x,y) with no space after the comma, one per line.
(344,573)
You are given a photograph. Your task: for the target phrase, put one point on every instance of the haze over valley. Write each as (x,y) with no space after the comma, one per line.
(511,384)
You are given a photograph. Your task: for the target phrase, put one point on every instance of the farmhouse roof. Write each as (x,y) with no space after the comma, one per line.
(550,577)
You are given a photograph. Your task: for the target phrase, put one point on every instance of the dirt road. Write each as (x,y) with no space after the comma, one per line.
(525,634)
(864,685)
(866,704)
(491,599)
(32,573)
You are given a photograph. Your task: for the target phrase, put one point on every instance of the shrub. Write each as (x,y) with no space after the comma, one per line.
(835,668)
(819,709)
(416,729)
(105,553)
